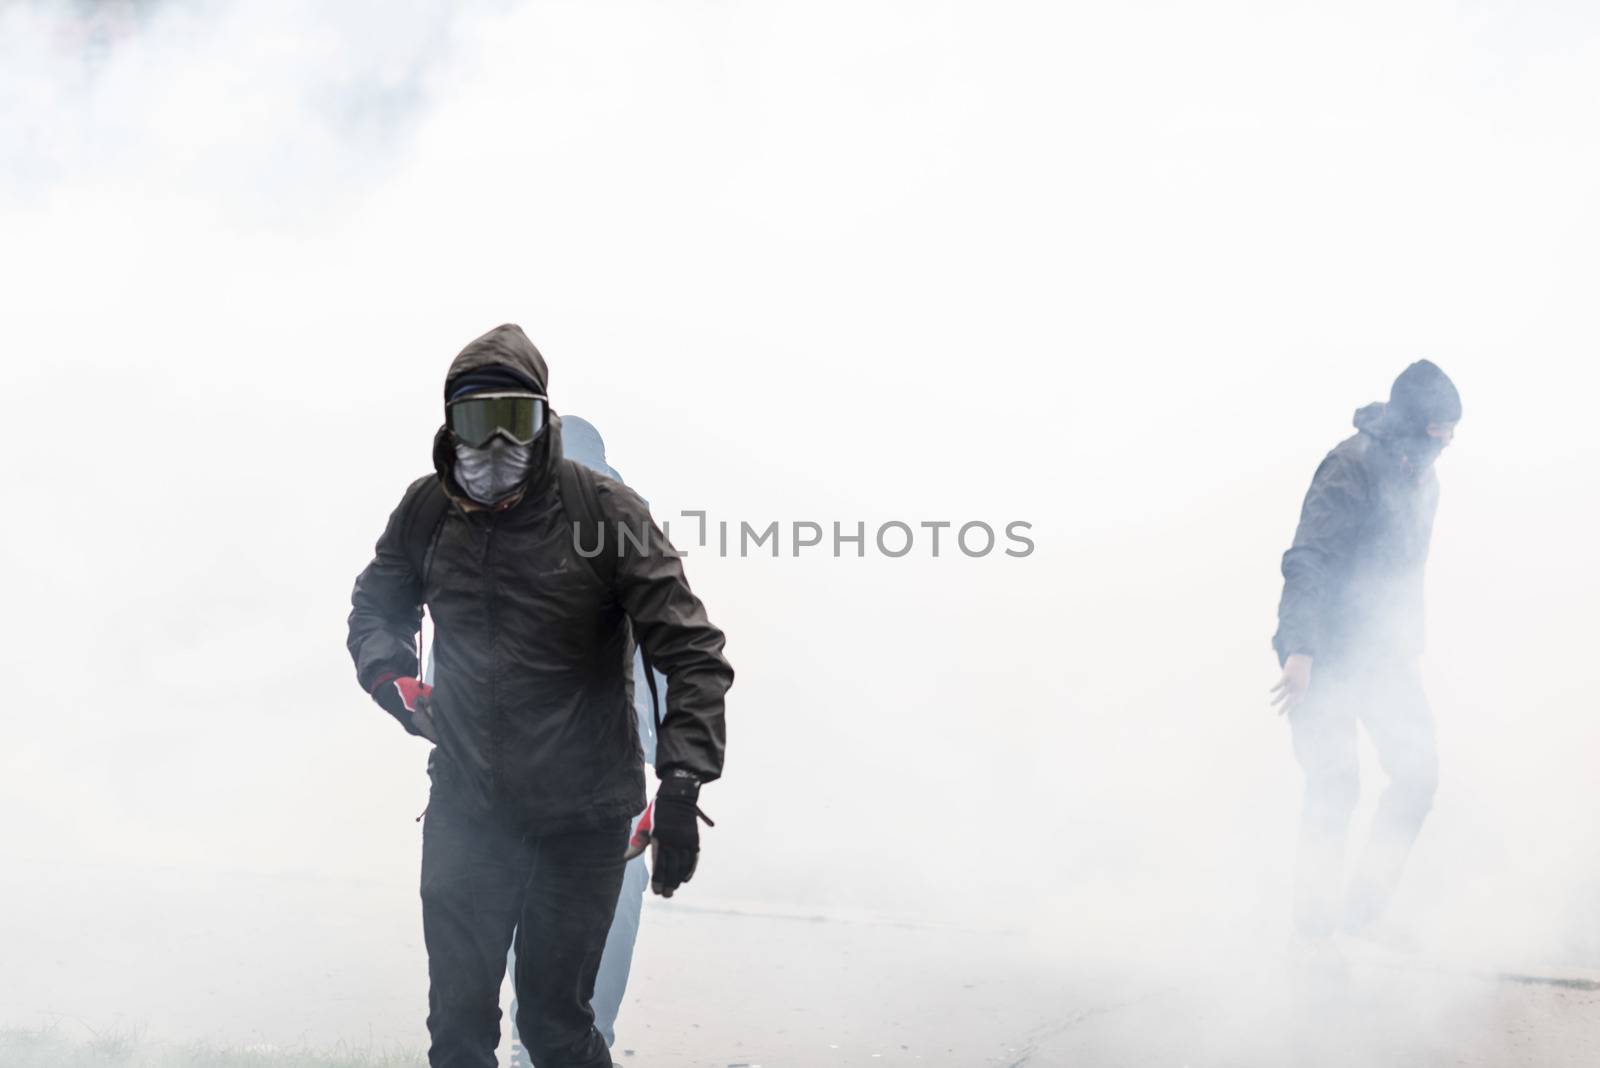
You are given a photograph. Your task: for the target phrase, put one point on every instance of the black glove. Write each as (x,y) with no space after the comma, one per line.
(675,838)
(409,701)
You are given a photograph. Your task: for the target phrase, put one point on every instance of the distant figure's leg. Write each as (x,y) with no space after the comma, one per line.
(1400,723)
(473,873)
(1324,729)
(612,983)
(566,915)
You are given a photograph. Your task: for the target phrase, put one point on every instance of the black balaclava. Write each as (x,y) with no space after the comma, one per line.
(1423,394)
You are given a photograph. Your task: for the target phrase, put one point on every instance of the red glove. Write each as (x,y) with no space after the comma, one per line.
(641,834)
(408,700)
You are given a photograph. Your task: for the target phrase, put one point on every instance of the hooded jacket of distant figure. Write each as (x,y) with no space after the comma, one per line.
(1353,579)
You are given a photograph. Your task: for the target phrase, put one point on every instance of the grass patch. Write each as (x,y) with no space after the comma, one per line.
(49,1047)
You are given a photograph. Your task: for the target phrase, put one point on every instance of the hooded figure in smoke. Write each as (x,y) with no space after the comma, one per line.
(1349,639)
(538,767)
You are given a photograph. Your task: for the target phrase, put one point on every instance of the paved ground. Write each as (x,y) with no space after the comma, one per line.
(286,963)
(831,993)
(1397,1014)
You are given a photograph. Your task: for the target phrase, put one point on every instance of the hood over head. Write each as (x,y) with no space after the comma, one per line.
(1423,394)
(504,349)
(503,354)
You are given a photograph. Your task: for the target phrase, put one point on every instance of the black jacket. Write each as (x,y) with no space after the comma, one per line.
(1352,581)
(532,653)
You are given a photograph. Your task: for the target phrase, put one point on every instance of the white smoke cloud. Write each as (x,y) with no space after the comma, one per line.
(1123,274)
(278,110)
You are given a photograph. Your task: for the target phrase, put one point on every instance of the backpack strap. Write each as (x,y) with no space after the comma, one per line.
(422,515)
(580,497)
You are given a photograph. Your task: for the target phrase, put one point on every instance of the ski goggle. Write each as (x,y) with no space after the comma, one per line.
(476,418)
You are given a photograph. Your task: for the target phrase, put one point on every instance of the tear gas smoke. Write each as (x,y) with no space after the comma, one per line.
(1122,272)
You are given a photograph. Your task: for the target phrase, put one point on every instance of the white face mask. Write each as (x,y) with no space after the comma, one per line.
(492,473)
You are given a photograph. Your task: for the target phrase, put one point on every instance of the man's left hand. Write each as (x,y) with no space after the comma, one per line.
(675,835)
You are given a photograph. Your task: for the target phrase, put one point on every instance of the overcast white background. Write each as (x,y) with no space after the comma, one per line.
(1121,271)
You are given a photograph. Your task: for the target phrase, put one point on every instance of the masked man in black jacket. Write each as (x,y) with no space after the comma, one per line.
(537,767)
(1349,638)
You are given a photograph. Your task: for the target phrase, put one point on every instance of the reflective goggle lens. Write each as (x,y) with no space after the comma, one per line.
(478,418)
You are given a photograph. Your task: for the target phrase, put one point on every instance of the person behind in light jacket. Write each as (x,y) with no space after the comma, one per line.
(583,444)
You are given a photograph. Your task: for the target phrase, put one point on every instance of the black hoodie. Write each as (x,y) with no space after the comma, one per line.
(532,653)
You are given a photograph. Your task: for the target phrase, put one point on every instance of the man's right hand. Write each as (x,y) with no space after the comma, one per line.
(411,702)
(1292,687)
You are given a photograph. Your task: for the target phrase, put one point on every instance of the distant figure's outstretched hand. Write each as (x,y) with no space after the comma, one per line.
(1292,687)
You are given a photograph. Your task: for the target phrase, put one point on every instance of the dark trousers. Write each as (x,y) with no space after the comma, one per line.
(481,880)
(611,984)
(1388,700)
